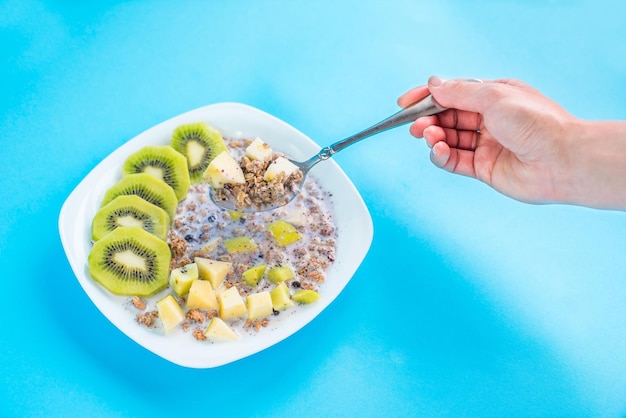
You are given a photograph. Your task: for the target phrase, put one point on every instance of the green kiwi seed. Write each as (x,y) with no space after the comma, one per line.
(200,143)
(147,187)
(130,210)
(163,162)
(130,261)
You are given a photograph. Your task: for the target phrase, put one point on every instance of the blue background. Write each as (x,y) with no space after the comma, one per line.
(468,303)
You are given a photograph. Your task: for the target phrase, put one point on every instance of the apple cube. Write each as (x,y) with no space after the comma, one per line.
(283,232)
(239,245)
(298,216)
(223,169)
(181,278)
(279,165)
(231,304)
(281,299)
(170,313)
(253,275)
(305,296)
(259,150)
(202,296)
(213,271)
(219,331)
(280,273)
(259,305)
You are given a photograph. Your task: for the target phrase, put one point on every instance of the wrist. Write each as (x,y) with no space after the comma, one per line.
(595,166)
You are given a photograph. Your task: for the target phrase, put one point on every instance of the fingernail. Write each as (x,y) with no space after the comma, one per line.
(435,81)
(433,156)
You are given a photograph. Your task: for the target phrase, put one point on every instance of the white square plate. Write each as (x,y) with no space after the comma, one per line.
(353,221)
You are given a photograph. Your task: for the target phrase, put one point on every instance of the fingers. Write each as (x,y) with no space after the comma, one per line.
(466,140)
(460,119)
(413,96)
(450,119)
(469,95)
(453,160)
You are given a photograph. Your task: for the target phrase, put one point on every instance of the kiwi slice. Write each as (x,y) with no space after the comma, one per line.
(130,261)
(163,162)
(130,210)
(147,187)
(200,143)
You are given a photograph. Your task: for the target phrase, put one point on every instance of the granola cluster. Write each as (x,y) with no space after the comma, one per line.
(257,192)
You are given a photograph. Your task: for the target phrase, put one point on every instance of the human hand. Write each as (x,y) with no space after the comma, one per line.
(502,132)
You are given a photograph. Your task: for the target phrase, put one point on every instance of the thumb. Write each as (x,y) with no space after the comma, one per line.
(462,94)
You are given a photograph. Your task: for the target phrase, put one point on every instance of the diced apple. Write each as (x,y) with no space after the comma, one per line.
(280,273)
(231,304)
(283,232)
(305,296)
(240,245)
(213,271)
(259,150)
(170,313)
(281,299)
(279,165)
(223,169)
(220,289)
(259,305)
(253,275)
(298,216)
(202,296)
(181,278)
(219,331)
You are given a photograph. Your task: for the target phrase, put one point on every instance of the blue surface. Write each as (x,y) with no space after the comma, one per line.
(468,303)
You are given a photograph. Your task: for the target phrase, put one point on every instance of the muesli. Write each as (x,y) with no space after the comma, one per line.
(228,273)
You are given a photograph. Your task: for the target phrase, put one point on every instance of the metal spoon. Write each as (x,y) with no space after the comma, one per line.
(425,107)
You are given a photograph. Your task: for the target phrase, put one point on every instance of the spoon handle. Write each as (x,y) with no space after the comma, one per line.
(425,107)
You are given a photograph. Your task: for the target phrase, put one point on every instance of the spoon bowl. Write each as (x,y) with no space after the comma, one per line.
(425,107)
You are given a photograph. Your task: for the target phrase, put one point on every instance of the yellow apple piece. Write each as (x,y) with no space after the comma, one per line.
(239,245)
(259,305)
(259,150)
(181,278)
(280,273)
(281,299)
(298,216)
(283,232)
(213,270)
(170,313)
(219,331)
(202,296)
(231,304)
(223,169)
(253,274)
(279,165)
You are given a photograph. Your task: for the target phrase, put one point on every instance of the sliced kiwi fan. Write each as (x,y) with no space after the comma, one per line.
(130,210)
(130,261)
(163,162)
(200,143)
(130,255)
